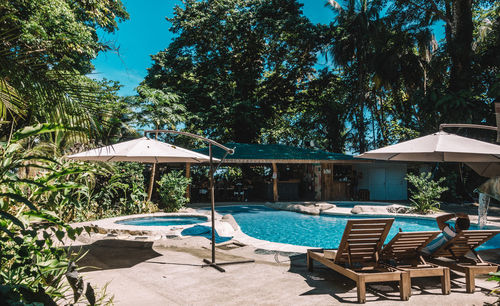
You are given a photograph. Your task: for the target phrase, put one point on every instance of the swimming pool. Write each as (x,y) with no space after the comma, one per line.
(163,220)
(324,231)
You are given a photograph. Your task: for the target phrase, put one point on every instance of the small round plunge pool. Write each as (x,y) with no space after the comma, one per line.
(163,220)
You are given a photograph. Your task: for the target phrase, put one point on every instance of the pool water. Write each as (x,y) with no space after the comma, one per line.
(324,231)
(163,221)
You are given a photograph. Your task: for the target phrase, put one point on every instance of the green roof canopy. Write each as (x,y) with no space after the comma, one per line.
(277,153)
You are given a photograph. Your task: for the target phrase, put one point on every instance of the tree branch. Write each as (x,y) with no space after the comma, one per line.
(434,9)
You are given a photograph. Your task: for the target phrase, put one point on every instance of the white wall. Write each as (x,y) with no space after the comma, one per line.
(384,180)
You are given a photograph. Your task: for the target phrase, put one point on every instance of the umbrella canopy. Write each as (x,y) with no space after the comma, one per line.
(438,147)
(143,150)
(486,169)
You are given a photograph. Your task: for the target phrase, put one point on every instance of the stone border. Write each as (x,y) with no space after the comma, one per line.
(109,225)
(377,210)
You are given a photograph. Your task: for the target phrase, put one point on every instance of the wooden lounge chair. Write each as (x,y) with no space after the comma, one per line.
(357,256)
(403,252)
(452,255)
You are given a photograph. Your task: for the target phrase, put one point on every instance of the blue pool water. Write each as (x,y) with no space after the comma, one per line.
(163,221)
(323,231)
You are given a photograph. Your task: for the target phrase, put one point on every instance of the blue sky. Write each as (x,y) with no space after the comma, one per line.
(146,33)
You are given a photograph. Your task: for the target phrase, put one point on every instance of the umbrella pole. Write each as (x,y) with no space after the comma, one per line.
(212,200)
(207,262)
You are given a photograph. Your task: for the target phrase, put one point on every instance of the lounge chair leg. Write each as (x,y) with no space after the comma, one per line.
(405,286)
(361,285)
(309,260)
(470,281)
(445,281)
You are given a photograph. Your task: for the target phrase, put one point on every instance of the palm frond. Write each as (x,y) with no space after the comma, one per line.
(12,106)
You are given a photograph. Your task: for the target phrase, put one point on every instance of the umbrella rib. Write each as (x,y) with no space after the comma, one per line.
(394,155)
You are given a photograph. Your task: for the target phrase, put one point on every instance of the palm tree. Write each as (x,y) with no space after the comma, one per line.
(355,29)
(156,108)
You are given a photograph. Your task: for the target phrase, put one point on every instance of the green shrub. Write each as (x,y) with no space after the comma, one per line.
(425,196)
(172,189)
(110,190)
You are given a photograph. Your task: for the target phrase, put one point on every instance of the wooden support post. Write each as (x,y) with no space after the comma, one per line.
(188,175)
(445,281)
(310,264)
(405,286)
(470,281)
(275,183)
(361,289)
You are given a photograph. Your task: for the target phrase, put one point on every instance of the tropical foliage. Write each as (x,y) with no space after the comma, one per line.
(34,268)
(426,192)
(107,190)
(46,49)
(172,189)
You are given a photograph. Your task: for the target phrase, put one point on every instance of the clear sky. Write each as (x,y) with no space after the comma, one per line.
(146,33)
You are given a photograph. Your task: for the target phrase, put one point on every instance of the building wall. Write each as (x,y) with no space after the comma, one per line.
(384,180)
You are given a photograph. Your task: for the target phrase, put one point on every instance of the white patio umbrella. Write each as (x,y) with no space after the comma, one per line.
(445,147)
(143,150)
(438,147)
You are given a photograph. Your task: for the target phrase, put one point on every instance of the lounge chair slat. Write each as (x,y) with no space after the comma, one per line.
(364,243)
(414,237)
(369,226)
(361,231)
(411,234)
(362,236)
(407,247)
(412,241)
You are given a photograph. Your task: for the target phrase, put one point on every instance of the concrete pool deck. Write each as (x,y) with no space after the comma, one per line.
(166,269)
(169,272)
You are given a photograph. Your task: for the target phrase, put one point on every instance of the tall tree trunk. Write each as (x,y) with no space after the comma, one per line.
(460,46)
(361,97)
(361,127)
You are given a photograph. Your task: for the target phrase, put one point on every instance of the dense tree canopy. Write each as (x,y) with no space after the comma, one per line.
(245,70)
(47,48)
(237,65)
